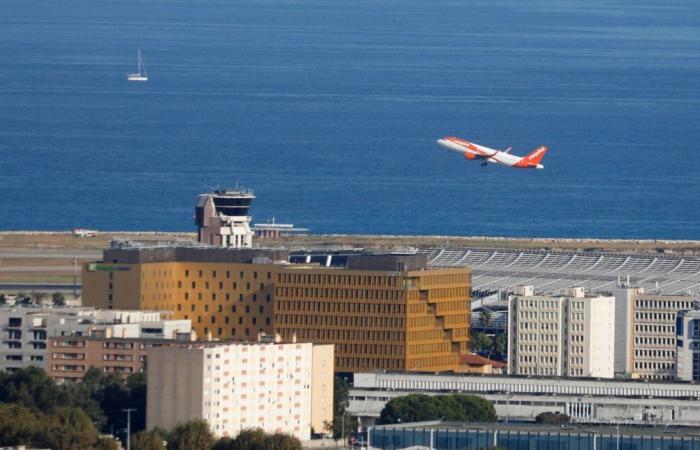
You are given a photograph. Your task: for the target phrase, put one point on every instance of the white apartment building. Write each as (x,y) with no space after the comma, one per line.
(234,386)
(571,336)
(24,331)
(645,343)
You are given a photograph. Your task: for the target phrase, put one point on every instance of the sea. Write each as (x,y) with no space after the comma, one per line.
(329,110)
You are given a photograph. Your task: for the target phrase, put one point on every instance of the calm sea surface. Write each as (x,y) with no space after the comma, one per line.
(330,110)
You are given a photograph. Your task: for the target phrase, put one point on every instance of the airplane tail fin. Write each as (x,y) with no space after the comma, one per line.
(533,159)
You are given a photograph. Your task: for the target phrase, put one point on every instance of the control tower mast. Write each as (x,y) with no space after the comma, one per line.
(222,218)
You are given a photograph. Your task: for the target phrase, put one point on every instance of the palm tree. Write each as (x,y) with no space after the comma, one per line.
(485,317)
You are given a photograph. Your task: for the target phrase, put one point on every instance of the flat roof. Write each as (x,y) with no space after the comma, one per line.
(627,430)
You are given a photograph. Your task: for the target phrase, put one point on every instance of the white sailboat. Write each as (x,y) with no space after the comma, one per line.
(141,75)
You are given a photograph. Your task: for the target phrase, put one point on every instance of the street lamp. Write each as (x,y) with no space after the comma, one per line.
(128,426)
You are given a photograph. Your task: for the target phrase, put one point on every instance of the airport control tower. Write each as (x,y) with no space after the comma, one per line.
(222,218)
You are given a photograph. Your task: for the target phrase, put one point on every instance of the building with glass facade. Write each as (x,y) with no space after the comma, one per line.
(456,436)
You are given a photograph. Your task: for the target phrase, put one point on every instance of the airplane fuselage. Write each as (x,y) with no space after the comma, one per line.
(485,154)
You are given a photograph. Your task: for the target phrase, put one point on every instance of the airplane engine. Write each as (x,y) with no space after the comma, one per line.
(469,155)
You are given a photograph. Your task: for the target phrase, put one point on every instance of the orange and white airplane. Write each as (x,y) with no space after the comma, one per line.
(487,155)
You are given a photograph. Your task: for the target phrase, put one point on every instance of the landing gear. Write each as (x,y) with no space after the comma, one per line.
(484,164)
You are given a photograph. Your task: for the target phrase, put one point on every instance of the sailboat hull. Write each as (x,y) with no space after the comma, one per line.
(137,77)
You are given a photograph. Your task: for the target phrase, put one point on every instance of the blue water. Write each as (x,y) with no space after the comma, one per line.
(330,110)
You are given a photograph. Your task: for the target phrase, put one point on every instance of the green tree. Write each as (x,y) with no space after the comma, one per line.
(251,439)
(148,440)
(18,425)
(485,317)
(193,435)
(69,429)
(257,439)
(500,346)
(38,297)
(553,418)
(481,343)
(64,429)
(33,389)
(58,299)
(342,422)
(421,407)
(282,441)
(224,443)
(107,443)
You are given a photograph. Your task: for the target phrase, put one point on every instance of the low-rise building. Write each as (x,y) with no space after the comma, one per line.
(25,331)
(570,336)
(521,399)
(234,386)
(70,357)
(456,436)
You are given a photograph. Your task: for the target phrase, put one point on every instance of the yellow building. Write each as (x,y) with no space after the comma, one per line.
(383,312)
(221,291)
(378,320)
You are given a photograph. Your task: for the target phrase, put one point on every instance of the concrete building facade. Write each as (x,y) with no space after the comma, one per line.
(523,398)
(238,386)
(688,345)
(569,336)
(25,331)
(222,218)
(646,342)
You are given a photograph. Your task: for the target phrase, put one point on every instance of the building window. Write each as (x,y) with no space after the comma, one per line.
(187,273)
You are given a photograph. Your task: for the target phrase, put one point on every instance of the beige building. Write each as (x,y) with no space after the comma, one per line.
(571,336)
(277,387)
(645,344)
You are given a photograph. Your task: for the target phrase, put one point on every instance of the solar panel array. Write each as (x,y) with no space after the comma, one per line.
(552,272)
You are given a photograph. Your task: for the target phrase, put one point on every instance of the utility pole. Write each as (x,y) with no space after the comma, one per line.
(128,426)
(342,428)
(75,277)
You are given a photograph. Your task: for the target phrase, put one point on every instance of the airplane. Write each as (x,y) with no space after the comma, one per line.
(486,155)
